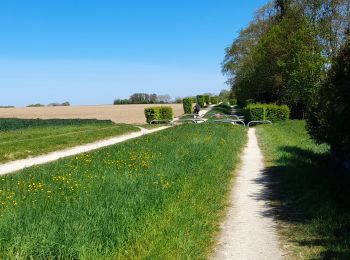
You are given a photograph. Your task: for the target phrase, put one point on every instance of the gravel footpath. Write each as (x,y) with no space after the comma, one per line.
(248,231)
(14,166)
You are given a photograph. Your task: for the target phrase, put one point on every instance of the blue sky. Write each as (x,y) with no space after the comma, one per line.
(92,51)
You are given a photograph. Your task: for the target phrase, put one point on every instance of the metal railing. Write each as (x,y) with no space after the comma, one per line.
(259,122)
(231,121)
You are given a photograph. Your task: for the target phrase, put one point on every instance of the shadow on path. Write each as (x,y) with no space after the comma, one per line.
(311,195)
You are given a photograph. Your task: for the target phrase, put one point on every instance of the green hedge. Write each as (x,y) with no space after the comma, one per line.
(272,112)
(206,99)
(187,105)
(214,100)
(233,101)
(276,113)
(200,100)
(254,113)
(158,113)
(7,124)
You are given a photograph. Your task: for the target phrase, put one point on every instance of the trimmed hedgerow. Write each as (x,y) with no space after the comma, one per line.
(233,101)
(254,112)
(276,113)
(158,113)
(214,100)
(187,105)
(207,99)
(200,100)
(272,112)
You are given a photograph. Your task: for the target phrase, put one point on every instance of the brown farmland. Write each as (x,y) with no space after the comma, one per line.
(130,114)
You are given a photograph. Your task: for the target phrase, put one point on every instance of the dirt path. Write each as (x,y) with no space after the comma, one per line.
(248,231)
(25,163)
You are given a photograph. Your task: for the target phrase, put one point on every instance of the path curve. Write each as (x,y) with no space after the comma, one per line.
(248,231)
(17,165)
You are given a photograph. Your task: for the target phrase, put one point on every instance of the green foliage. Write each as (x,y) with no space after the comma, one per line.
(145,198)
(254,112)
(187,105)
(16,123)
(330,117)
(121,102)
(233,101)
(200,100)
(271,112)
(214,100)
(36,105)
(158,113)
(284,64)
(206,99)
(276,113)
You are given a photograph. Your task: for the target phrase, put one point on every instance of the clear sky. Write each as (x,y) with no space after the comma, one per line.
(93,51)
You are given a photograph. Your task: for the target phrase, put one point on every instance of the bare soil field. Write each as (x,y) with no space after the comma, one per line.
(130,114)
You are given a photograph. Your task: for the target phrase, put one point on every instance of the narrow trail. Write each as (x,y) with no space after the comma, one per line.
(17,165)
(248,231)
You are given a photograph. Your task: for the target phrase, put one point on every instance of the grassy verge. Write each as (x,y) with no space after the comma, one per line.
(157,197)
(310,194)
(22,143)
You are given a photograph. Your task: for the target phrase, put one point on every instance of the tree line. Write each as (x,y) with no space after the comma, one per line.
(297,52)
(144,98)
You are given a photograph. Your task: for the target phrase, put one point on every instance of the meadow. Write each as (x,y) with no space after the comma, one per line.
(161,196)
(23,138)
(310,193)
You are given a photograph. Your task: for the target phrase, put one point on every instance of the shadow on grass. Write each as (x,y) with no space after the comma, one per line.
(311,193)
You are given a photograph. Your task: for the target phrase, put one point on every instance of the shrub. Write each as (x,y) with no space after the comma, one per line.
(254,112)
(233,101)
(200,100)
(206,99)
(158,113)
(166,112)
(272,112)
(249,101)
(187,105)
(214,100)
(276,113)
(329,119)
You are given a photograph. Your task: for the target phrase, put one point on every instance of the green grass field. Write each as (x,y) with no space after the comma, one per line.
(161,196)
(22,143)
(310,193)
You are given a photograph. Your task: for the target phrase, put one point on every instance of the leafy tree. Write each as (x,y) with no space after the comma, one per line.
(330,117)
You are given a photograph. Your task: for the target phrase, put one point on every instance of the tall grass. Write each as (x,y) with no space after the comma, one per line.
(22,143)
(310,193)
(156,197)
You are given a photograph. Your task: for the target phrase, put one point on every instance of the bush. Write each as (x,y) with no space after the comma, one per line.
(249,101)
(200,100)
(206,99)
(272,112)
(158,113)
(214,100)
(328,121)
(233,101)
(187,105)
(276,113)
(166,113)
(254,112)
